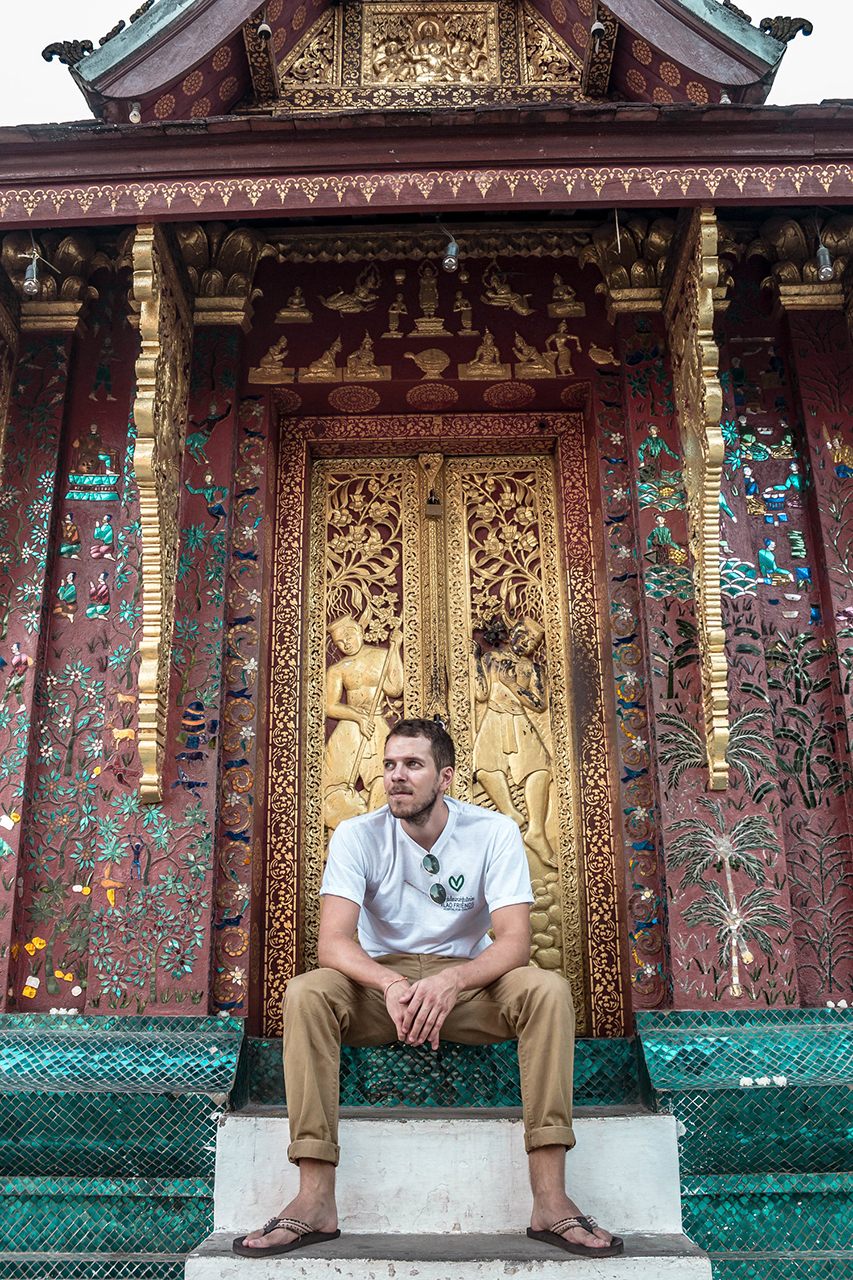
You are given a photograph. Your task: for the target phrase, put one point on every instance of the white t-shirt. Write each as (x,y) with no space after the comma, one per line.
(481,866)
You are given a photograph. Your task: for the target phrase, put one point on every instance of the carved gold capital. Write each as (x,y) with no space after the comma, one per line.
(160,413)
(9,328)
(631,256)
(689,289)
(790,245)
(221,264)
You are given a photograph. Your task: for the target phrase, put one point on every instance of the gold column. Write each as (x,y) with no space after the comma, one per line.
(689,291)
(160,416)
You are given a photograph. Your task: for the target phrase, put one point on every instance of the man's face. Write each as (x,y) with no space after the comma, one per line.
(347,636)
(413,784)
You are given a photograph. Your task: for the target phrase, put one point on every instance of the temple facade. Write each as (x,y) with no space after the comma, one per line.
(488,361)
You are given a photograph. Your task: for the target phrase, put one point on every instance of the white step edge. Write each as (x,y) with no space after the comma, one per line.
(454,1175)
(474,1257)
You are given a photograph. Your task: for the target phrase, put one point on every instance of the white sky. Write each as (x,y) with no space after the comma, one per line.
(32,90)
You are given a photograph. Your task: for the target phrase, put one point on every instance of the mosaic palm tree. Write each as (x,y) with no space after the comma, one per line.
(682,746)
(700,846)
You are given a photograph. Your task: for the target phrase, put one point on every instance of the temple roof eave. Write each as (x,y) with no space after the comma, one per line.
(149,53)
(586,156)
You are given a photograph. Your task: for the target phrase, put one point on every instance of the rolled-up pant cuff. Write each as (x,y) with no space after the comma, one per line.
(313,1149)
(553,1136)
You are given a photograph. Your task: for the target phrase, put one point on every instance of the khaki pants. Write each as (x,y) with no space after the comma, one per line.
(324,1009)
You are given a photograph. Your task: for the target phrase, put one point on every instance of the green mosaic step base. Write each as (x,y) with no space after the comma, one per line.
(75,1054)
(100,1215)
(782,1266)
(58,1266)
(459,1076)
(104,1134)
(702,1067)
(807,1212)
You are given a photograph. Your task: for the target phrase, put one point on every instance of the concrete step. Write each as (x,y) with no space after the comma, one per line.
(438,1172)
(451,1257)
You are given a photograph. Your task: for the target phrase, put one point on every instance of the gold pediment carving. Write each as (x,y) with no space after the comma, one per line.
(402,54)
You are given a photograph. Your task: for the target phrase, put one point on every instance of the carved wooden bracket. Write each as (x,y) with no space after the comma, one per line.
(689,289)
(221,264)
(790,246)
(160,417)
(9,328)
(632,260)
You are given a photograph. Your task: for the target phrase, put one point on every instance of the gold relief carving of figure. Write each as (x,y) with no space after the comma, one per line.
(295,310)
(497,292)
(325,367)
(271,369)
(362,298)
(428,323)
(397,309)
(421,49)
(362,367)
(355,688)
(531,363)
(462,307)
(564,301)
(510,746)
(558,344)
(486,363)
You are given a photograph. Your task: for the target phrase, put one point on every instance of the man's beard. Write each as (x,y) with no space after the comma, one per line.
(420,816)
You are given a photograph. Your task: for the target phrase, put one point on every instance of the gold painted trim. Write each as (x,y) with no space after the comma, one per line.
(160,415)
(811,297)
(224,311)
(689,314)
(8,357)
(50,317)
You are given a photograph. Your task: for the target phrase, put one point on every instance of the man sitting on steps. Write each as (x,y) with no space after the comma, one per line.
(423,879)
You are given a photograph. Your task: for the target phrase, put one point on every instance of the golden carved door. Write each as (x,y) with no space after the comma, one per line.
(435,588)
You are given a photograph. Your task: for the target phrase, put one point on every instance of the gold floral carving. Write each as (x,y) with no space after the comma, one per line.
(9,321)
(315,58)
(429,488)
(261,58)
(159,413)
(546,58)
(689,314)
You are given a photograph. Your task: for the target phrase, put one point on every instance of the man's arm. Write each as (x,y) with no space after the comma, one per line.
(427,1003)
(337,948)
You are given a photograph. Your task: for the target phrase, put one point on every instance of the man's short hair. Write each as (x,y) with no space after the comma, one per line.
(440,741)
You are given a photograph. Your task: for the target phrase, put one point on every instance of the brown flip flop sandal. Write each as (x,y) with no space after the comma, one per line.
(556,1238)
(304,1236)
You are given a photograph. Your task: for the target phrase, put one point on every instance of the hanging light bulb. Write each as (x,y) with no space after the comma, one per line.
(31,285)
(450,261)
(824,263)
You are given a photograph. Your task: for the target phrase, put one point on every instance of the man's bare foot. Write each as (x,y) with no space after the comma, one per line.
(548,1212)
(319,1214)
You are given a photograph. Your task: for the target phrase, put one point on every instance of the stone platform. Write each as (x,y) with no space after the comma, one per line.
(445,1196)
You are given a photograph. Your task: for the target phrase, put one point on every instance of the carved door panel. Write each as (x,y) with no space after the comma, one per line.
(435,589)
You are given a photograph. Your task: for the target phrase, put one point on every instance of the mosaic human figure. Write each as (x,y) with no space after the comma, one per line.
(356,686)
(99,597)
(66,597)
(69,539)
(20,664)
(103,537)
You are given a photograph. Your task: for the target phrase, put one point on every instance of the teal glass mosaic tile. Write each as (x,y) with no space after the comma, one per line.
(58,1266)
(135,1055)
(459,1076)
(782,1266)
(106,1134)
(101,1215)
(805,1211)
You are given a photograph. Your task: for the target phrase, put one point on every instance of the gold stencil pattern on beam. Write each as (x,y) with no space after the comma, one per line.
(689,313)
(160,416)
